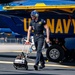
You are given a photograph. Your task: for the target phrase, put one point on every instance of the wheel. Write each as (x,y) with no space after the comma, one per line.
(55,53)
(15,67)
(26,67)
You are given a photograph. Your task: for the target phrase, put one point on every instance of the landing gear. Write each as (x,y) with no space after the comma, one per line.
(55,53)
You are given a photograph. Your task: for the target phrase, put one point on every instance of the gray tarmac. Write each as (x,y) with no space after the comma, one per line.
(8,52)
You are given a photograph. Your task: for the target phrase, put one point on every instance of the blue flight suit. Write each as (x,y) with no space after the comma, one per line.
(38,27)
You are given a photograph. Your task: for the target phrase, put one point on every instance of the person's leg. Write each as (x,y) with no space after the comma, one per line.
(42,59)
(35,42)
(42,62)
(39,55)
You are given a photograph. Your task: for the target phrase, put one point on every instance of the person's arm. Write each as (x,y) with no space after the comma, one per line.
(47,32)
(28,35)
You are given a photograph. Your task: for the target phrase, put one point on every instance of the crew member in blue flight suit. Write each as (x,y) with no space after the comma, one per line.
(38,26)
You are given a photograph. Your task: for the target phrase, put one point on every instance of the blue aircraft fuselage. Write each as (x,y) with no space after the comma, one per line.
(61,21)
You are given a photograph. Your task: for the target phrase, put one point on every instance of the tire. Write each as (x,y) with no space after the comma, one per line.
(26,67)
(55,53)
(15,67)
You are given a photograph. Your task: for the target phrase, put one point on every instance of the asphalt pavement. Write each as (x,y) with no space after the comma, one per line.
(8,52)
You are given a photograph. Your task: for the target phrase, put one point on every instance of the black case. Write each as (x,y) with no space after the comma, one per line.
(20,62)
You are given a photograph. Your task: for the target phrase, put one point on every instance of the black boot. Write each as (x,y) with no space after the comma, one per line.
(41,66)
(36,67)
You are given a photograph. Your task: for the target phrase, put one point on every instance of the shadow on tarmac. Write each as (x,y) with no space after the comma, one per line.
(59,69)
(68,63)
(13,55)
(29,74)
(23,72)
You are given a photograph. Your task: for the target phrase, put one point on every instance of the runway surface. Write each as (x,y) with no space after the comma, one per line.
(8,52)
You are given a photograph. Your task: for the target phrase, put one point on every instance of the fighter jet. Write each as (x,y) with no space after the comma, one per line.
(60,18)
(16,15)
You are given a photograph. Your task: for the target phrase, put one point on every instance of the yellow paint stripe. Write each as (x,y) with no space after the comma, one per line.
(6,62)
(37,7)
(48,65)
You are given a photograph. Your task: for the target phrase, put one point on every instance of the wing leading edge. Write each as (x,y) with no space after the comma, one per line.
(41,7)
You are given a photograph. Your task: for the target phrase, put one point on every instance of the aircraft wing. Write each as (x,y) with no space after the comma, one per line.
(39,5)
(43,5)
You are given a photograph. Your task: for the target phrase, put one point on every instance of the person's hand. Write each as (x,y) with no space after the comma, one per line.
(47,40)
(27,42)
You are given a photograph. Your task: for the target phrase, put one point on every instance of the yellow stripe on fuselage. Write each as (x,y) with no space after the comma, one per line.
(42,7)
(37,7)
